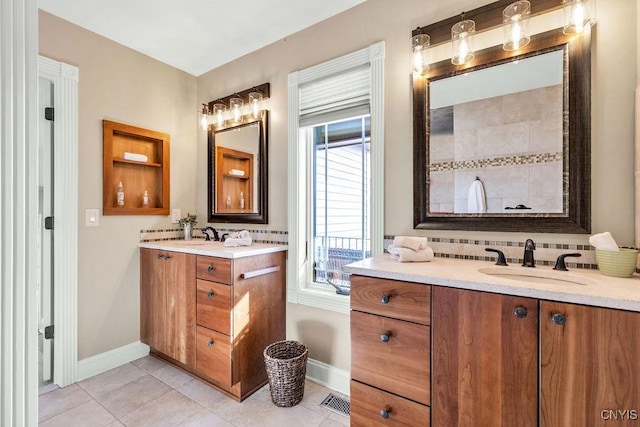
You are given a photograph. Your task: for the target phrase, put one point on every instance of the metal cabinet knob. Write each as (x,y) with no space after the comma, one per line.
(160,256)
(520,312)
(384,413)
(385,299)
(210,268)
(210,294)
(210,343)
(385,337)
(559,318)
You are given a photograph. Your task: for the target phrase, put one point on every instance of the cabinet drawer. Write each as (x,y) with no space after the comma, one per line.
(213,355)
(213,309)
(368,404)
(401,364)
(391,298)
(214,269)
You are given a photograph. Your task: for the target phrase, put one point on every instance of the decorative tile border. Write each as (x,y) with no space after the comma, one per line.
(496,161)
(545,253)
(274,237)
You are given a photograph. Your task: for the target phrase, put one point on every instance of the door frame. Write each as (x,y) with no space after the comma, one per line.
(65,212)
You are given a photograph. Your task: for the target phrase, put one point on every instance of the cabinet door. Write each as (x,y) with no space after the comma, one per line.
(153,299)
(180,317)
(484,359)
(590,366)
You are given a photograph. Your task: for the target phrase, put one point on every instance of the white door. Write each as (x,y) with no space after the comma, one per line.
(45,210)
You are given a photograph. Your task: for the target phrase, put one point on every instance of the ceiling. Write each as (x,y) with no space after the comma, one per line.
(195,35)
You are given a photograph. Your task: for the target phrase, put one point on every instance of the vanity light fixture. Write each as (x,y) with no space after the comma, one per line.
(235,106)
(219,110)
(462,41)
(515,22)
(204,117)
(577,19)
(255,105)
(419,46)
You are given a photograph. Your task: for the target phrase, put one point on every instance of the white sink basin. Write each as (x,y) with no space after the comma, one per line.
(535,275)
(199,242)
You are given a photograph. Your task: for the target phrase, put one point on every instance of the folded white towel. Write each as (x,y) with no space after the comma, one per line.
(410,242)
(135,157)
(238,238)
(604,241)
(409,255)
(236,172)
(476,202)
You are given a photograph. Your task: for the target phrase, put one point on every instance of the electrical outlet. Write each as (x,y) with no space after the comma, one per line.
(175,216)
(92,217)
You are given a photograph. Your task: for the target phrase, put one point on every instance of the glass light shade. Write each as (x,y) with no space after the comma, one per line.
(219,110)
(462,40)
(577,19)
(255,103)
(515,22)
(235,105)
(204,117)
(419,46)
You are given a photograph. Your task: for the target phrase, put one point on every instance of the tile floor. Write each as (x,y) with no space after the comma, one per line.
(149,392)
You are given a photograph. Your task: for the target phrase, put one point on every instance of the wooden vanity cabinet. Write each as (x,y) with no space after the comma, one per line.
(236,308)
(485,359)
(167,303)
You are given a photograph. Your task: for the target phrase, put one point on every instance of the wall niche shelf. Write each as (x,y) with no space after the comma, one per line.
(136,176)
(231,185)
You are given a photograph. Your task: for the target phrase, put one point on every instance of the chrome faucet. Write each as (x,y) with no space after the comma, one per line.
(206,235)
(527,260)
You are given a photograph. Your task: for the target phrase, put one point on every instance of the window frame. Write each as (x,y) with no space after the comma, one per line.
(298,289)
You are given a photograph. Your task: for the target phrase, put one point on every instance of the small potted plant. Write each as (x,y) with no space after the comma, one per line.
(187,224)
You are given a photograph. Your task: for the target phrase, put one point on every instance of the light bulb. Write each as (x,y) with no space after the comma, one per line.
(515,21)
(419,47)
(461,39)
(516,33)
(204,117)
(255,99)
(576,17)
(218,114)
(236,109)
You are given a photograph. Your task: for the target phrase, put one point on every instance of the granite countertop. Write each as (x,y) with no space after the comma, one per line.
(588,287)
(210,248)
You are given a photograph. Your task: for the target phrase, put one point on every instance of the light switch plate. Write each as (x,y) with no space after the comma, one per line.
(175,216)
(92,217)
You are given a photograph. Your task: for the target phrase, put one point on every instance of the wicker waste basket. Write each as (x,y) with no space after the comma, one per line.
(286,364)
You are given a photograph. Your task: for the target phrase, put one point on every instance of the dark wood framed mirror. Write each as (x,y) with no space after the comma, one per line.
(238,173)
(555,195)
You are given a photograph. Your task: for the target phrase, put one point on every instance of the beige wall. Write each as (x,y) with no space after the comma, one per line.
(614,69)
(119,84)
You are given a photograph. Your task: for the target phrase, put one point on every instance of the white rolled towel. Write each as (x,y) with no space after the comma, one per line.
(135,157)
(604,241)
(238,238)
(410,242)
(409,255)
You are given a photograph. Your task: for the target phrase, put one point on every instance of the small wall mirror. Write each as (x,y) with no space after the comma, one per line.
(504,145)
(237,187)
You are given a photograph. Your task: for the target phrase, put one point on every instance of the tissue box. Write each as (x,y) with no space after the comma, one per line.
(620,263)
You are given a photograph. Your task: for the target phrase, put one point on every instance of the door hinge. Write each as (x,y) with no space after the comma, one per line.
(48,332)
(48,113)
(48,223)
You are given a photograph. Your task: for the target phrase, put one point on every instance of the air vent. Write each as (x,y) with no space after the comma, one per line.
(337,404)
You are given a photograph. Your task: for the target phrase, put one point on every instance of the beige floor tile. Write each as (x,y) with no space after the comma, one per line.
(149,364)
(89,414)
(61,400)
(169,410)
(133,395)
(171,376)
(338,420)
(202,393)
(205,418)
(111,379)
(116,423)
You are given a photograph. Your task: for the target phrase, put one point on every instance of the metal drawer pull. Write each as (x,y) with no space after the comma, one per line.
(261,272)
(384,413)
(210,343)
(210,294)
(384,299)
(210,268)
(385,337)
(558,318)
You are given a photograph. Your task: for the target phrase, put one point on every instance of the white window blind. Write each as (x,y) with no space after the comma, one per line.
(339,96)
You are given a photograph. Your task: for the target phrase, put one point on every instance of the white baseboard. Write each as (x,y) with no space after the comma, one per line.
(328,376)
(103,362)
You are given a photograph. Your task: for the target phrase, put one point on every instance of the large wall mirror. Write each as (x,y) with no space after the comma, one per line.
(504,144)
(237,189)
